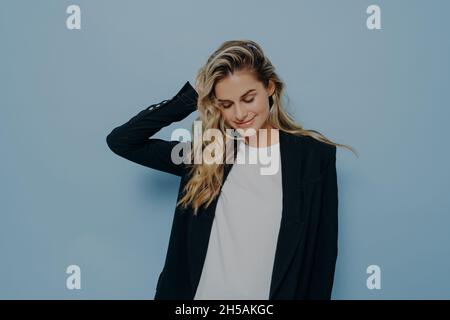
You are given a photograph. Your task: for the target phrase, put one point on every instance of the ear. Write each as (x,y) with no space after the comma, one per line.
(271,88)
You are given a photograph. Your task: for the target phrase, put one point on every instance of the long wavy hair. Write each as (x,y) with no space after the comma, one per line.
(205,179)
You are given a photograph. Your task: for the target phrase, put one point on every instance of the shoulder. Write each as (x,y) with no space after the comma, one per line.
(317,150)
(316,157)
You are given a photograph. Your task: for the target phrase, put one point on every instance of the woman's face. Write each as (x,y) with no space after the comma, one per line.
(243,101)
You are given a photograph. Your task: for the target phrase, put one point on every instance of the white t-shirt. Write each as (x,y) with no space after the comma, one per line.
(241,248)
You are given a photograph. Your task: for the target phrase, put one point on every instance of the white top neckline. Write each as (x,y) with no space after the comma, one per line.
(272,146)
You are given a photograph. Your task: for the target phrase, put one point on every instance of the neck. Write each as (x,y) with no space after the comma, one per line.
(263,139)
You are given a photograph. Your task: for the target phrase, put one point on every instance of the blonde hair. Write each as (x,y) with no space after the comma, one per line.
(205,180)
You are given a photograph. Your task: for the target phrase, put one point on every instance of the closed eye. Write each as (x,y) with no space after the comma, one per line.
(226,106)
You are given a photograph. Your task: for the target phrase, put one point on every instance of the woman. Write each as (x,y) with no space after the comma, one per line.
(236,233)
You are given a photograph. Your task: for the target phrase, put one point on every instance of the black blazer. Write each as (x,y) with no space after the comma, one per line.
(307,248)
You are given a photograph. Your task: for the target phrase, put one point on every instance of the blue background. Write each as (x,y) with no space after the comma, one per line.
(65,198)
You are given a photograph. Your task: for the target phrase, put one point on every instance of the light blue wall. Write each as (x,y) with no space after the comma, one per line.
(65,198)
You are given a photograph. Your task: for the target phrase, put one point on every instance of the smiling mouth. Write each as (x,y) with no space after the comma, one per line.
(245,123)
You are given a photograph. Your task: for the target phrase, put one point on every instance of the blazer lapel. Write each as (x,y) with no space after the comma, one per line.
(291,221)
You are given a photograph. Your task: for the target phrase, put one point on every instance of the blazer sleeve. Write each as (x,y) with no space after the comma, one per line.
(326,252)
(132,140)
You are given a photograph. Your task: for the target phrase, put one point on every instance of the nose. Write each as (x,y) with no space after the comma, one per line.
(240,113)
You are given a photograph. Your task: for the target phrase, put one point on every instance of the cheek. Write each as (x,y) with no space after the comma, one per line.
(227,115)
(260,107)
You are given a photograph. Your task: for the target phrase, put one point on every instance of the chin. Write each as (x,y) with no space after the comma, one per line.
(248,131)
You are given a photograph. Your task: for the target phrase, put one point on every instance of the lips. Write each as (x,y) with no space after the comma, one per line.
(242,124)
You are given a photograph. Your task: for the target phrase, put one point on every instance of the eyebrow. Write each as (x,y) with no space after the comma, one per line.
(241,96)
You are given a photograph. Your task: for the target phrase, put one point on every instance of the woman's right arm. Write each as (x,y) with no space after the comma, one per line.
(131,139)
